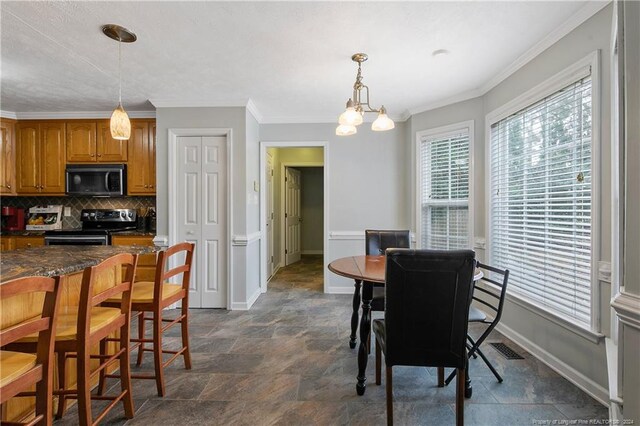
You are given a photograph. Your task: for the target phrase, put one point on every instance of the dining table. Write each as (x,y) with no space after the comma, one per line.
(365,271)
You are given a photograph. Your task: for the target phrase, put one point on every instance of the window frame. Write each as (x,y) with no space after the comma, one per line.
(468,126)
(548,87)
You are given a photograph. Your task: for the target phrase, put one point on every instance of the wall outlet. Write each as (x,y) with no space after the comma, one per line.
(67,211)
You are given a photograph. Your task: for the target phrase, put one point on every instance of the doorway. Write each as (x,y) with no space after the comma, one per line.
(284,212)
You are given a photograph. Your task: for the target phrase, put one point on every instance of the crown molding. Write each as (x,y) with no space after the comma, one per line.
(465,96)
(253,109)
(326,119)
(586,12)
(8,114)
(199,103)
(68,115)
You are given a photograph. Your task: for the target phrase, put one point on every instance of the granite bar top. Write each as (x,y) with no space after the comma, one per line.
(132,233)
(50,261)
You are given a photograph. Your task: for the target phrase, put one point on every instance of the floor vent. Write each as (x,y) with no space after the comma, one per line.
(506,351)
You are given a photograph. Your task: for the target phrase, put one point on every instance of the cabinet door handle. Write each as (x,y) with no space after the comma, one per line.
(146,186)
(99,155)
(8,186)
(29,245)
(92,155)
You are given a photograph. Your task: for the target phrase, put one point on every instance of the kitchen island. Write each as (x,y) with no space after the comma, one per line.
(50,261)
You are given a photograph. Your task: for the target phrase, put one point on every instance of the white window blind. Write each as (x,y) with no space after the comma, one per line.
(444,193)
(541,201)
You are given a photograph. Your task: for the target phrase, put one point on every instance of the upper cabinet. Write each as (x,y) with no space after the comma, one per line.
(35,154)
(91,141)
(141,171)
(40,148)
(8,160)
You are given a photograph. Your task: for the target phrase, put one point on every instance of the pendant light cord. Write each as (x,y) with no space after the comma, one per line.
(120,72)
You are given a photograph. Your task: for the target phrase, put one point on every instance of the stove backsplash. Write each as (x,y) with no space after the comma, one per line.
(78,203)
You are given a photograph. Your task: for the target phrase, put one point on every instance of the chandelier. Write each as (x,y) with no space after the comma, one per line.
(120,124)
(356,107)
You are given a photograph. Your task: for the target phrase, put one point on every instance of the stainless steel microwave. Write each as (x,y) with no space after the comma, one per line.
(106,180)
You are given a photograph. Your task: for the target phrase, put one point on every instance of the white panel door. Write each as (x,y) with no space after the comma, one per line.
(292,215)
(270,215)
(202,216)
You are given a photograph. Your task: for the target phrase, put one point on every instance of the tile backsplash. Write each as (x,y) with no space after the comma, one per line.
(78,203)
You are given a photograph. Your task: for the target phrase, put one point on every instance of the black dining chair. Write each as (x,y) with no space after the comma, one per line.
(428,294)
(491,296)
(376,242)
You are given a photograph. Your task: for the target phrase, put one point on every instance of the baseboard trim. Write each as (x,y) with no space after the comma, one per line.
(580,380)
(245,306)
(311,252)
(339,290)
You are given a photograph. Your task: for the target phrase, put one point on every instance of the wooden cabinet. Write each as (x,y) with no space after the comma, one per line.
(146,270)
(109,149)
(40,158)
(8,160)
(141,172)
(7,243)
(91,141)
(28,241)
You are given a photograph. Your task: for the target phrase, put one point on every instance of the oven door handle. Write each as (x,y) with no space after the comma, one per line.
(106,181)
(77,238)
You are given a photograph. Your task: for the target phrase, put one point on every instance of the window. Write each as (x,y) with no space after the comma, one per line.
(541,200)
(443,170)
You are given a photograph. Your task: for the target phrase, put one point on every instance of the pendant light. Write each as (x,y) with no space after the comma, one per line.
(120,124)
(352,116)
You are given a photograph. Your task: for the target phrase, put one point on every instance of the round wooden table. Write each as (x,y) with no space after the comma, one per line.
(365,270)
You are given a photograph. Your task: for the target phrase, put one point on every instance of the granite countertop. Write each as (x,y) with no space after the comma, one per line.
(133,233)
(50,261)
(22,233)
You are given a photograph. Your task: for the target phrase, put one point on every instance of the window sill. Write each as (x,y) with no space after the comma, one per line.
(590,335)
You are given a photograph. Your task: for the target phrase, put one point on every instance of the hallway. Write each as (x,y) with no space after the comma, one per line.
(287,361)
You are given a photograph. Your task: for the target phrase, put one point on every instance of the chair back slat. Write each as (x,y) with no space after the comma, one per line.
(88,299)
(162,274)
(488,296)
(427,294)
(25,328)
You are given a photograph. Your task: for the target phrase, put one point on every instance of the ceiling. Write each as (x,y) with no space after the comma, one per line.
(291,59)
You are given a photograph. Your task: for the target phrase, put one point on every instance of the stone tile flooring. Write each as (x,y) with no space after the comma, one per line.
(287,361)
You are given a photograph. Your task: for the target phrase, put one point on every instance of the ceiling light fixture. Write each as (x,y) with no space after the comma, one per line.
(352,116)
(120,124)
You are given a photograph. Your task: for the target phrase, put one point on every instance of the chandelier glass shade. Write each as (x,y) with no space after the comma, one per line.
(357,105)
(119,124)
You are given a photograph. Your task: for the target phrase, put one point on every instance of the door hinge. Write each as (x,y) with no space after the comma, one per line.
(271,259)
(286,179)
(286,215)
(286,251)
(271,172)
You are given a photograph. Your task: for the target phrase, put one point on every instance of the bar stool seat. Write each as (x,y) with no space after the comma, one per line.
(14,364)
(143,291)
(67,323)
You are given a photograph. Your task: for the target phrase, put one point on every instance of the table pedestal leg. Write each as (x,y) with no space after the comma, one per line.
(365,329)
(354,315)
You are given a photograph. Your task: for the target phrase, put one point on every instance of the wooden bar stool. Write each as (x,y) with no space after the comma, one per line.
(20,371)
(77,331)
(153,297)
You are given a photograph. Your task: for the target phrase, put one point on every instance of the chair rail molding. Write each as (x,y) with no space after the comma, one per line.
(245,240)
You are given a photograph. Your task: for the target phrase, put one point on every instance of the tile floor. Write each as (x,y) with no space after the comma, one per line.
(287,361)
